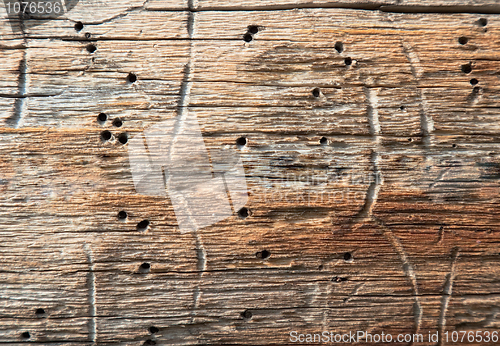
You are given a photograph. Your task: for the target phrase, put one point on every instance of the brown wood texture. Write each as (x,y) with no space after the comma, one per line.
(390,223)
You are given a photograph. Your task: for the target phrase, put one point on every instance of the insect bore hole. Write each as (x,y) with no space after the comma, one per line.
(247,314)
(153,330)
(91,48)
(78,26)
(143,225)
(106,135)
(131,78)
(241,142)
(117,122)
(102,117)
(145,267)
(316,92)
(243,213)
(253,29)
(339,47)
(123,138)
(467,68)
(122,215)
(264,254)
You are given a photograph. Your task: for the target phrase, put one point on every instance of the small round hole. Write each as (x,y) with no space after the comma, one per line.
(117,122)
(88,35)
(242,141)
(25,335)
(102,117)
(463,40)
(40,312)
(143,225)
(347,256)
(247,37)
(153,330)
(106,136)
(347,61)
(253,29)
(467,68)
(145,267)
(122,215)
(473,81)
(339,47)
(247,314)
(482,21)
(323,141)
(263,254)
(91,48)
(316,92)
(131,78)
(123,138)
(243,213)
(78,26)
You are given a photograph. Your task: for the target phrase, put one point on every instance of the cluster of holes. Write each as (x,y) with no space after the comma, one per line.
(103,117)
(106,135)
(264,254)
(251,31)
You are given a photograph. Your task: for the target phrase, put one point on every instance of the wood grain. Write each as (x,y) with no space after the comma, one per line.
(390,223)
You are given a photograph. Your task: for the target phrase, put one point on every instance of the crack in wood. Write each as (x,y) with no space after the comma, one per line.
(447,292)
(407,269)
(92,294)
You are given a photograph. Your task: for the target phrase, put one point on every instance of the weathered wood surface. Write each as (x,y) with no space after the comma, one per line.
(423,237)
